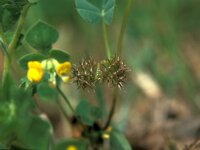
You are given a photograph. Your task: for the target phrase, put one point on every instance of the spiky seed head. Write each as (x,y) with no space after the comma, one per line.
(84,74)
(114,71)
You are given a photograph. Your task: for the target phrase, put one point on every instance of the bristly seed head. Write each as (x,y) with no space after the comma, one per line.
(84,74)
(114,71)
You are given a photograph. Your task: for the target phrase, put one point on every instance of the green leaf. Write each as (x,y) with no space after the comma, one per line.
(46,93)
(96,112)
(60,56)
(100,98)
(8,19)
(10,11)
(96,11)
(7,112)
(35,134)
(7,121)
(13,111)
(66,144)
(23,61)
(24,83)
(2,147)
(118,141)
(41,36)
(84,112)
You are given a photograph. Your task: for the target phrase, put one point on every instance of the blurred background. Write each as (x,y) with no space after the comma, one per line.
(159,107)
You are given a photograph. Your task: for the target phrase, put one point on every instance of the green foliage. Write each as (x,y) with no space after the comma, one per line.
(96,112)
(46,93)
(9,36)
(100,98)
(24,83)
(7,87)
(60,56)
(95,11)
(84,112)
(23,61)
(41,36)
(2,147)
(35,134)
(77,143)
(118,141)
(16,123)
(10,11)
(20,126)
(88,113)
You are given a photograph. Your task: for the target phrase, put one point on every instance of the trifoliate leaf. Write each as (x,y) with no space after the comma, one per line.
(95,11)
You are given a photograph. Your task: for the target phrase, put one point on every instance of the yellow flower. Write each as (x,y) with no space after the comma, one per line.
(71,147)
(106,134)
(63,71)
(35,72)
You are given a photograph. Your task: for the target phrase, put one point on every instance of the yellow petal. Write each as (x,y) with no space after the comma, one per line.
(105,136)
(63,69)
(34,64)
(65,79)
(71,147)
(34,75)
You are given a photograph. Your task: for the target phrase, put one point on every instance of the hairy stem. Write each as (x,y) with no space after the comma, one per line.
(105,37)
(65,98)
(123,27)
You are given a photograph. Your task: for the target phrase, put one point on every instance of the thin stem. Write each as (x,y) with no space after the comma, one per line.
(65,98)
(62,109)
(19,28)
(123,27)
(112,110)
(105,37)
(6,57)
(6,68)
(119,53)
(3,37)
(4,49)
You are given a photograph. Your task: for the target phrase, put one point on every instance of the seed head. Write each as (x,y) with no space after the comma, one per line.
(84,74)
(114,71)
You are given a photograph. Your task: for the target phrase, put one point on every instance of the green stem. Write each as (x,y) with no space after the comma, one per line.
(112,110)
(119,53)
(10,48)
(6,57)
(3,37)
(123,27)
(66,99)
(6,67)
(63,110)
(18,29)
(105,37)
